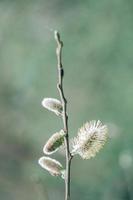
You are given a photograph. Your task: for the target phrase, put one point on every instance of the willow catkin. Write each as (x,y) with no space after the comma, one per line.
(90,139)
(54,142)
(53,105)
(53,166)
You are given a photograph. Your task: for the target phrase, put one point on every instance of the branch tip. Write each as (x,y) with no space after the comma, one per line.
(57,36)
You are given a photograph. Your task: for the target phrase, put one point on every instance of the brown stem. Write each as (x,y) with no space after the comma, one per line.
(64,113)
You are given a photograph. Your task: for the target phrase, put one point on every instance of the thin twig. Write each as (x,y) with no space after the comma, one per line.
(64,113)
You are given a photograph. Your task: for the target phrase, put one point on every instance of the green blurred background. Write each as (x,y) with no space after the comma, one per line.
(98,63)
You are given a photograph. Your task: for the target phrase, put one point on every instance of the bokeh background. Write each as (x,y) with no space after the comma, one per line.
(98,63)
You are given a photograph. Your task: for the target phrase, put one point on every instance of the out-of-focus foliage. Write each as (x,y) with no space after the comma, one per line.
(98,62)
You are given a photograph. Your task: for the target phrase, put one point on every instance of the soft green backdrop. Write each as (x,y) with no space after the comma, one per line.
(98,63)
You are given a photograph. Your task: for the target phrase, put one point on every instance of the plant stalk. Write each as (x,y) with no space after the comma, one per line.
(64,113)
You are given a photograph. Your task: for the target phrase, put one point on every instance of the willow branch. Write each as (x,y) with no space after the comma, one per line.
(64,113)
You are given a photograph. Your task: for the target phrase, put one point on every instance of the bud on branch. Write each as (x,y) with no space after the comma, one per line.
(53,105)
(53,166)
(54,142)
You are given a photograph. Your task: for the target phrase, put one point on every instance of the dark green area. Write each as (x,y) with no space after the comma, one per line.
(98,63)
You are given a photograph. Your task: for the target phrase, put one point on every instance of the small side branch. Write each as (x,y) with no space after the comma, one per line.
(64,113)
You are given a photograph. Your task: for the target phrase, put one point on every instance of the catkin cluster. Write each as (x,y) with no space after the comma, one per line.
(90,138)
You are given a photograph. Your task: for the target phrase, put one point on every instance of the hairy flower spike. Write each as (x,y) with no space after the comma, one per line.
(51,165)
(91,138)
(54,142)
(53,105)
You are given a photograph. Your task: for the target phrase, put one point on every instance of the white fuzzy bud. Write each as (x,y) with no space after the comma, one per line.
(54,142)
(53,166)
(53,105)
(90,139)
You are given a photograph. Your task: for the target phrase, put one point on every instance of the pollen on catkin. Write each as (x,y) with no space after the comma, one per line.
(90,139)
(53,166)
(54,142)
(53,105)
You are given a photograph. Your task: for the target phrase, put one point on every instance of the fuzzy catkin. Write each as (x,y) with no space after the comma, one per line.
(53,105)
(54,142)
(90,139)
(53,166)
